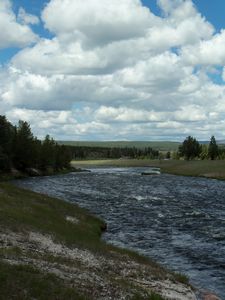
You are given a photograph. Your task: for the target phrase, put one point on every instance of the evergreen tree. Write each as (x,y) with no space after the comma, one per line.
(7,134)
(5,163)
(213,149)
(37,153)
(168,155)
(63,157)
(19,148)
(48,153)
(190,148)
(24,147)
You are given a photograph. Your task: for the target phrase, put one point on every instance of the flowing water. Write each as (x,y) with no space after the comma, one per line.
(178,221)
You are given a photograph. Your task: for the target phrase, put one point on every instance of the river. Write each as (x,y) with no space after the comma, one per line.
(179,221)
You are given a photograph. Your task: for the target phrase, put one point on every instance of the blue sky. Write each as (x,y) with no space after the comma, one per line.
(213,10)
(114,70)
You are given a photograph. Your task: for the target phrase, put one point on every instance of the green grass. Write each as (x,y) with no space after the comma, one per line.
(205,168)
(23,282)
(158,145)
(22,210)
(182,278)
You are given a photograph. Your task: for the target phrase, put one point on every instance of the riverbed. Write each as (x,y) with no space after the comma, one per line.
(179,221)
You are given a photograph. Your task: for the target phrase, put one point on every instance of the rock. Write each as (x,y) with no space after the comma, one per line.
(103,227)
(16,173)
(72,220)
(210,296)
(33,172)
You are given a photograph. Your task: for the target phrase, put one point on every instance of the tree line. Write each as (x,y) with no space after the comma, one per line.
(191,148)
(20,149)
(88,152)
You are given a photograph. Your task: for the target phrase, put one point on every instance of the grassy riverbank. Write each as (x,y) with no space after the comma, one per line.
(51,249)
(203,168)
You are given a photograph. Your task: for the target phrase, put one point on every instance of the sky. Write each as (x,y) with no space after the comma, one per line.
(114,70)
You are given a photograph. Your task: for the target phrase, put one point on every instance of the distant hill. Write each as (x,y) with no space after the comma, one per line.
(160,145)
(221,143)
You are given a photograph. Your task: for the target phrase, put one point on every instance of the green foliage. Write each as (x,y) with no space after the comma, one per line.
(63,156)
(4,161)
(48,153)
(181,278)
(168,155)
(20,149)
(7,133)
(190,148)
(175,155)
(85,152)
(213,149)
(23,153)
(204,152)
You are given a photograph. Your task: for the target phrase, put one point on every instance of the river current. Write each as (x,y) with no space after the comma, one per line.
(179,221)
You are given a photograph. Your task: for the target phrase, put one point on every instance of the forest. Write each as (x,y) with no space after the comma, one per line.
(88,152)
(21,150)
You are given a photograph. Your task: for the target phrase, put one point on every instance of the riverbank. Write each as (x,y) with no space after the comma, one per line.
(33,172)
(198,168)
(51,248)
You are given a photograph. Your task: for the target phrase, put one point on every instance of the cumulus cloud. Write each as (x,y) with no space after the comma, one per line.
(13,33)
(114,69)
(102,36)
(209,52)
(97,22)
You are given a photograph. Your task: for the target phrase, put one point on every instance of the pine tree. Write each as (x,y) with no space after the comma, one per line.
(24,147)
(7,134)
(190,148)
(213,150)
(48,153)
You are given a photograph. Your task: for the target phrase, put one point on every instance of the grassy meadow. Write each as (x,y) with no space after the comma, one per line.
(202,168)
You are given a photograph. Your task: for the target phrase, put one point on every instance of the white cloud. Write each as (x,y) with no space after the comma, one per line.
(114,69)
(190,25)
(50,57)
(103,36)
(12,32)
(209,52)
(97,22)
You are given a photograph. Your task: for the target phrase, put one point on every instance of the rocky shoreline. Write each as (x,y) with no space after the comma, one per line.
(92,273)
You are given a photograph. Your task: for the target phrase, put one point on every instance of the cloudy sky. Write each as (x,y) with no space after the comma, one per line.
(114,69)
